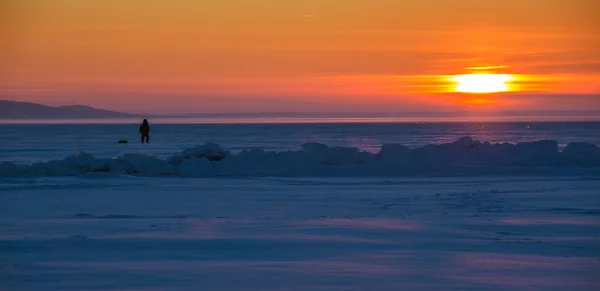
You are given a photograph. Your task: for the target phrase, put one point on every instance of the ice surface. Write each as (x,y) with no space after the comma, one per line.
(105,232)
(26,144)
(464,156)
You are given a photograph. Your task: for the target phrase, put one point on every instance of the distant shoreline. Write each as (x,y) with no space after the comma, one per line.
(27,113)
(300,120)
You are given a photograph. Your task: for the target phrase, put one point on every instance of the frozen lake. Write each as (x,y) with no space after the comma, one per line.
(334,211)
(130,233)
(27,143)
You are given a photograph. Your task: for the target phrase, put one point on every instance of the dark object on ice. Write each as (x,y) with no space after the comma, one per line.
(145,131)
(122,141)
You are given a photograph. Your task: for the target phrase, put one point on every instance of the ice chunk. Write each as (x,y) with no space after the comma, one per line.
(325,155)
(148,166)
(210,151)
(316,159)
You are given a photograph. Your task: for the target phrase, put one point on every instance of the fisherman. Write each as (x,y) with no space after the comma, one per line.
(145,131)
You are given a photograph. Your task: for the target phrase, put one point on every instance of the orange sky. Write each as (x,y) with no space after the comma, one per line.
(298,55)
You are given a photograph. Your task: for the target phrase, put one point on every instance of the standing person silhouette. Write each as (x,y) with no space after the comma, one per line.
(145,131)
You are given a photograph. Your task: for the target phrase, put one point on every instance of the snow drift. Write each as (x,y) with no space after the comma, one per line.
(464,156)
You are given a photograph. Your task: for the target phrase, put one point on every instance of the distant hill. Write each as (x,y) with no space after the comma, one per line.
(26,110)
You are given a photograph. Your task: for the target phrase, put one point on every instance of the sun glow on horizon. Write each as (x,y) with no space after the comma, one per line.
(482,83)
(301,55)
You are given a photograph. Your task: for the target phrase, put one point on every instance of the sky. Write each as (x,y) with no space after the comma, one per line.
(194,56)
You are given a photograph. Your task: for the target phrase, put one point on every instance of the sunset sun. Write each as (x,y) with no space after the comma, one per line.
(482,83)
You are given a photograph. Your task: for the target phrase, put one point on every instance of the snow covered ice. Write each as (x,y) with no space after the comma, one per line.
(465,215)
(132,233)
